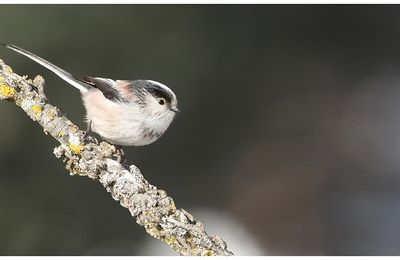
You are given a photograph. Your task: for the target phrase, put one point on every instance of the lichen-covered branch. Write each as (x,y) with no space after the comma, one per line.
(151,207)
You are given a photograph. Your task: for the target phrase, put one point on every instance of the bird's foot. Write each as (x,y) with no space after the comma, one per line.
(121,158)
(88,130)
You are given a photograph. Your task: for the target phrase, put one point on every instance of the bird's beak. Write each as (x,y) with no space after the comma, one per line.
(175,109)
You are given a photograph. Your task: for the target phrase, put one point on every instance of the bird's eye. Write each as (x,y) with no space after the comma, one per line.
(161,101)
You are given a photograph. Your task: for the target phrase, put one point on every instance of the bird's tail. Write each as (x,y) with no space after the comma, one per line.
(58,71)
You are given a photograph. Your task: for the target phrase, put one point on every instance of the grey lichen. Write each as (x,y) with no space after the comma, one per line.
(151,207)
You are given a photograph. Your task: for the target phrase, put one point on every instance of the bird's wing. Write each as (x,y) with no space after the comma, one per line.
(106,86)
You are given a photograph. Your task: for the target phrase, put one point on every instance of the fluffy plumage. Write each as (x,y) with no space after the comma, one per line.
(123,112)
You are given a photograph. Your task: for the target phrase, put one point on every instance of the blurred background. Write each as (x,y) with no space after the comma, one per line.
(287,143)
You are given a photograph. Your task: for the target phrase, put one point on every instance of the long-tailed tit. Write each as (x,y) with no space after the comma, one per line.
(123,112)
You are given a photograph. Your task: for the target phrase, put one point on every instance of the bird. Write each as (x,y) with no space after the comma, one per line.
(122,112)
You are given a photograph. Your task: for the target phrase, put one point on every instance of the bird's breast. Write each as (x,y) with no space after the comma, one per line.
(118,123)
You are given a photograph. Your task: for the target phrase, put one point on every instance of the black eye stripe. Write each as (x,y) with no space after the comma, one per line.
(154,89)
(160,93)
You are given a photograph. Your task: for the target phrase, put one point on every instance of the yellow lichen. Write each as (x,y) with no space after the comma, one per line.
(76,149)
(9,70)
(208,253)
(37,109)
(170,240)
(6,90)
(153,232)
(61,134)
(172,205)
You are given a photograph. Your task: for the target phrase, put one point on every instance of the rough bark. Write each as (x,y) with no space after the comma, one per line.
(151,207)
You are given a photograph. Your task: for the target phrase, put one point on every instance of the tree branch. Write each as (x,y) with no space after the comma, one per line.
(151,207)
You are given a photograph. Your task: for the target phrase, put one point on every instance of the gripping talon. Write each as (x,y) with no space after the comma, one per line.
(88,130)
(122,158)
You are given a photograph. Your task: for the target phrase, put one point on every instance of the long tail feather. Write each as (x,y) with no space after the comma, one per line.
(58,71)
